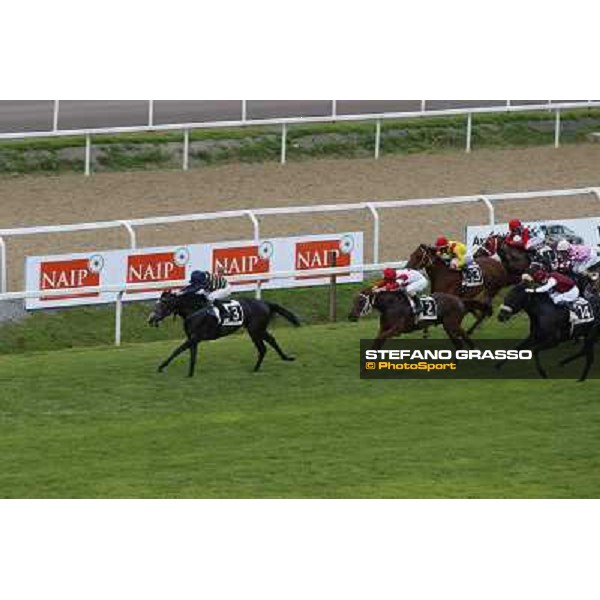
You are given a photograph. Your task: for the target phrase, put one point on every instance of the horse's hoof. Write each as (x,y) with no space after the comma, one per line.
(289,358)
(160,369)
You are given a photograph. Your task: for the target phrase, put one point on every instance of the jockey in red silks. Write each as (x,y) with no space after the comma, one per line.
(409,281)
(518,235)
(389,283)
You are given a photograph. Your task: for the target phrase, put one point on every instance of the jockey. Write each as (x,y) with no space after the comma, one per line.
(564,260)
(518,236)
(389,283)
(454,254)
(407,280)
(562,289)
(214,288)
(413,282)
(578,257)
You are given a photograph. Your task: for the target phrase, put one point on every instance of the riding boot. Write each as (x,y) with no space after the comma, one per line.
(418,305)
(222,309)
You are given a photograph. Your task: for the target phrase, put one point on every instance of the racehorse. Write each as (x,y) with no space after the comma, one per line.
(450,281)
(200,324)
(515,260)
(397,315)
(549,326)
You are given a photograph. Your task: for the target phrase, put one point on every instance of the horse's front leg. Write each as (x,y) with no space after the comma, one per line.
(174,355)
(386,333)
(536,355)
(193,358)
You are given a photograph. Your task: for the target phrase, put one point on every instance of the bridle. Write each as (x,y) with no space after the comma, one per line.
(368,299)
(425,259)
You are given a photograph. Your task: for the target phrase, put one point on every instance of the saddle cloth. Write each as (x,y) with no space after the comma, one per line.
(235,318)
(472,275)
(429,309)
(581,312)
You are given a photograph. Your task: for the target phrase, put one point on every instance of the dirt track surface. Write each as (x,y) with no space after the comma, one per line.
(74,198)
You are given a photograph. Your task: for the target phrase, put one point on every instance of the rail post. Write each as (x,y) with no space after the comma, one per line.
(423,105)
(490,207)
(557,128)
(150,113)
(244,110)
(375,216)
(118,315)
(88,154)
(333,109)
(283,142)
(186,149)
(55,115)
(596,191)
(256,227)
(333,287)
(377,138)
(3,276)
(469,131)
(131,232)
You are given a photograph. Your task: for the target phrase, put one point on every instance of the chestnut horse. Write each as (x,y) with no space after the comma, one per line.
(450,281)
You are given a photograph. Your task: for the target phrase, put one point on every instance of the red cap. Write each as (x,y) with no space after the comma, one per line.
(389,274)
(514,223)
(540,276)
(403,276)
(441,241)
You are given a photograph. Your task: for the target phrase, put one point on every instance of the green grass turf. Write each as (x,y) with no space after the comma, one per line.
(99,422)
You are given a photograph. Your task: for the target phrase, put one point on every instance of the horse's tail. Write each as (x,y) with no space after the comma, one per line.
(477,306)
(284,312)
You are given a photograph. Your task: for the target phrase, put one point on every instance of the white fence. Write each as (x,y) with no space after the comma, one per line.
(253,215)
(283,123)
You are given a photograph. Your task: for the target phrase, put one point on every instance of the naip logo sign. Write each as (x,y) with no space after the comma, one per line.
(242,260)
(156,267)
(70,274)
(320,254)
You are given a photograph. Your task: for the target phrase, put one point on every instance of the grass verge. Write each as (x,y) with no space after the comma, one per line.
(99,422)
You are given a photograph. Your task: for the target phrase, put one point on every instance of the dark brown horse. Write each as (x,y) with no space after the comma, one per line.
(450,281)
(397,315)
(515,261)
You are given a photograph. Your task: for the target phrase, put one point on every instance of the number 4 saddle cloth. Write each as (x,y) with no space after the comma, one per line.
(580,312)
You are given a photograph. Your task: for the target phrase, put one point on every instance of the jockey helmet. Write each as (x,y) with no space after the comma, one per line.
(441,242)
(389,274)
(199,277)
(563,246)
(540,276)
(514,224)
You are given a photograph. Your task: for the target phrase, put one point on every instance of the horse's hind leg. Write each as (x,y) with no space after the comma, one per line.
(270,339)
(182,348)
(589,359)
(589,353)
(455,332)
(260,346)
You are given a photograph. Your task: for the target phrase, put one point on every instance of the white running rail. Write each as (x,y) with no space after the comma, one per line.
(284,122)
(373,208)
